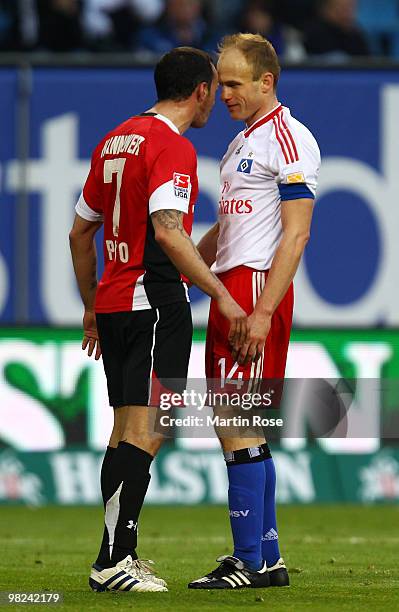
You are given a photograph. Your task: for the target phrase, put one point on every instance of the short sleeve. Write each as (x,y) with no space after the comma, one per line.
(172,175)
(89,204)
(296,162)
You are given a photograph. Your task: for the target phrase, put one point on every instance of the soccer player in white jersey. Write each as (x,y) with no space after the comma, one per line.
(268,185)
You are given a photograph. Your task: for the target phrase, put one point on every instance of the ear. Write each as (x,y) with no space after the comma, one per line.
(267,82)
(202,91)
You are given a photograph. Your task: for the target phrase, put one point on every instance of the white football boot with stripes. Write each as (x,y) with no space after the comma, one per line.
(126,575)
(144,569)
(232,574)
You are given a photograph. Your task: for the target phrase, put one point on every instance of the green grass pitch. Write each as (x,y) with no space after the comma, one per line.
(340,558)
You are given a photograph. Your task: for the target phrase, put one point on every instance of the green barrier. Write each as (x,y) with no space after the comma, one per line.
(199,477)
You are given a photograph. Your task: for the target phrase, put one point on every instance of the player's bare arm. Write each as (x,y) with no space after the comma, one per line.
(296,217)
(207,246)
(183,252)
(177,244)
(84,257)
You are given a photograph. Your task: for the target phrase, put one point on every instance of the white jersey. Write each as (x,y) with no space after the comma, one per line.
(276,159)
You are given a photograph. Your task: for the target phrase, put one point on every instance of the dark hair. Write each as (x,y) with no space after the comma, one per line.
(179,72)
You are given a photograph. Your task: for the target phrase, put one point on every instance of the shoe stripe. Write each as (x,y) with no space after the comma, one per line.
(113,578)
(121,582)
(235,578)
(239,577)
(128,586)
(115,582)
(243,578)
(231,582)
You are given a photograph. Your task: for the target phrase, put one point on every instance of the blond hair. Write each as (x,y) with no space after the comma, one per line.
(258,52)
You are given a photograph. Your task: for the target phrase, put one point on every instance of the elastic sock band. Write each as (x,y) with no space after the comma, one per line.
(266,450)
(254,454)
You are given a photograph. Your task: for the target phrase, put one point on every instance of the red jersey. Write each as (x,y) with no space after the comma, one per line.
(142,166)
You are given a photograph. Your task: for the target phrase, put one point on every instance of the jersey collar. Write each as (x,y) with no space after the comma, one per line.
(263,120)
(168,122)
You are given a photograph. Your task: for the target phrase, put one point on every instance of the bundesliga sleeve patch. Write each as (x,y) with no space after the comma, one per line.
(182,185)
(245,166)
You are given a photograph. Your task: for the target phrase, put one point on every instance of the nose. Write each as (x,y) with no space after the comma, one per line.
(225,93)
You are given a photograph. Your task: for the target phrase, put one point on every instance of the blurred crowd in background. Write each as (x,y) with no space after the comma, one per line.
(330,29)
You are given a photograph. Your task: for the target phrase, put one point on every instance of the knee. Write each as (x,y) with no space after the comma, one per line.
(153,444)
(150,443)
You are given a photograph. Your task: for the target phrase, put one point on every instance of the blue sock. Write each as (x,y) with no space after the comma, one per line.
(246,487)
(270,549)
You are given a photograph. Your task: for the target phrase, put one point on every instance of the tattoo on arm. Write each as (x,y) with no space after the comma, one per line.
(170,219)
(173,219)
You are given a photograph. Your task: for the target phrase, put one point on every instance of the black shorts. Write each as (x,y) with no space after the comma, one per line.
(142,345)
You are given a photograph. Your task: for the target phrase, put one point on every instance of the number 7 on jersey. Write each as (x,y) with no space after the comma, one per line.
(115,166)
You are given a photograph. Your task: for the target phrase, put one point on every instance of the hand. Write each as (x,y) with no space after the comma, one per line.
(238,320)
(90,335)
(258,329)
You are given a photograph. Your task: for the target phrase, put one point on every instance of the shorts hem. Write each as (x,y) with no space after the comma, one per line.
(139,403)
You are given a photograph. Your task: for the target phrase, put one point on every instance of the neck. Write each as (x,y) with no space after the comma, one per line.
(178,112)
(262,111)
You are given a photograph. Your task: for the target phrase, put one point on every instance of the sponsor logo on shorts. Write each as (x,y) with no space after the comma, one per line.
(182,185)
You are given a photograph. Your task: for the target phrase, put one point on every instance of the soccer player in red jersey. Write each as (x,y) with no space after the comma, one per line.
(142,187)
(268,184)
